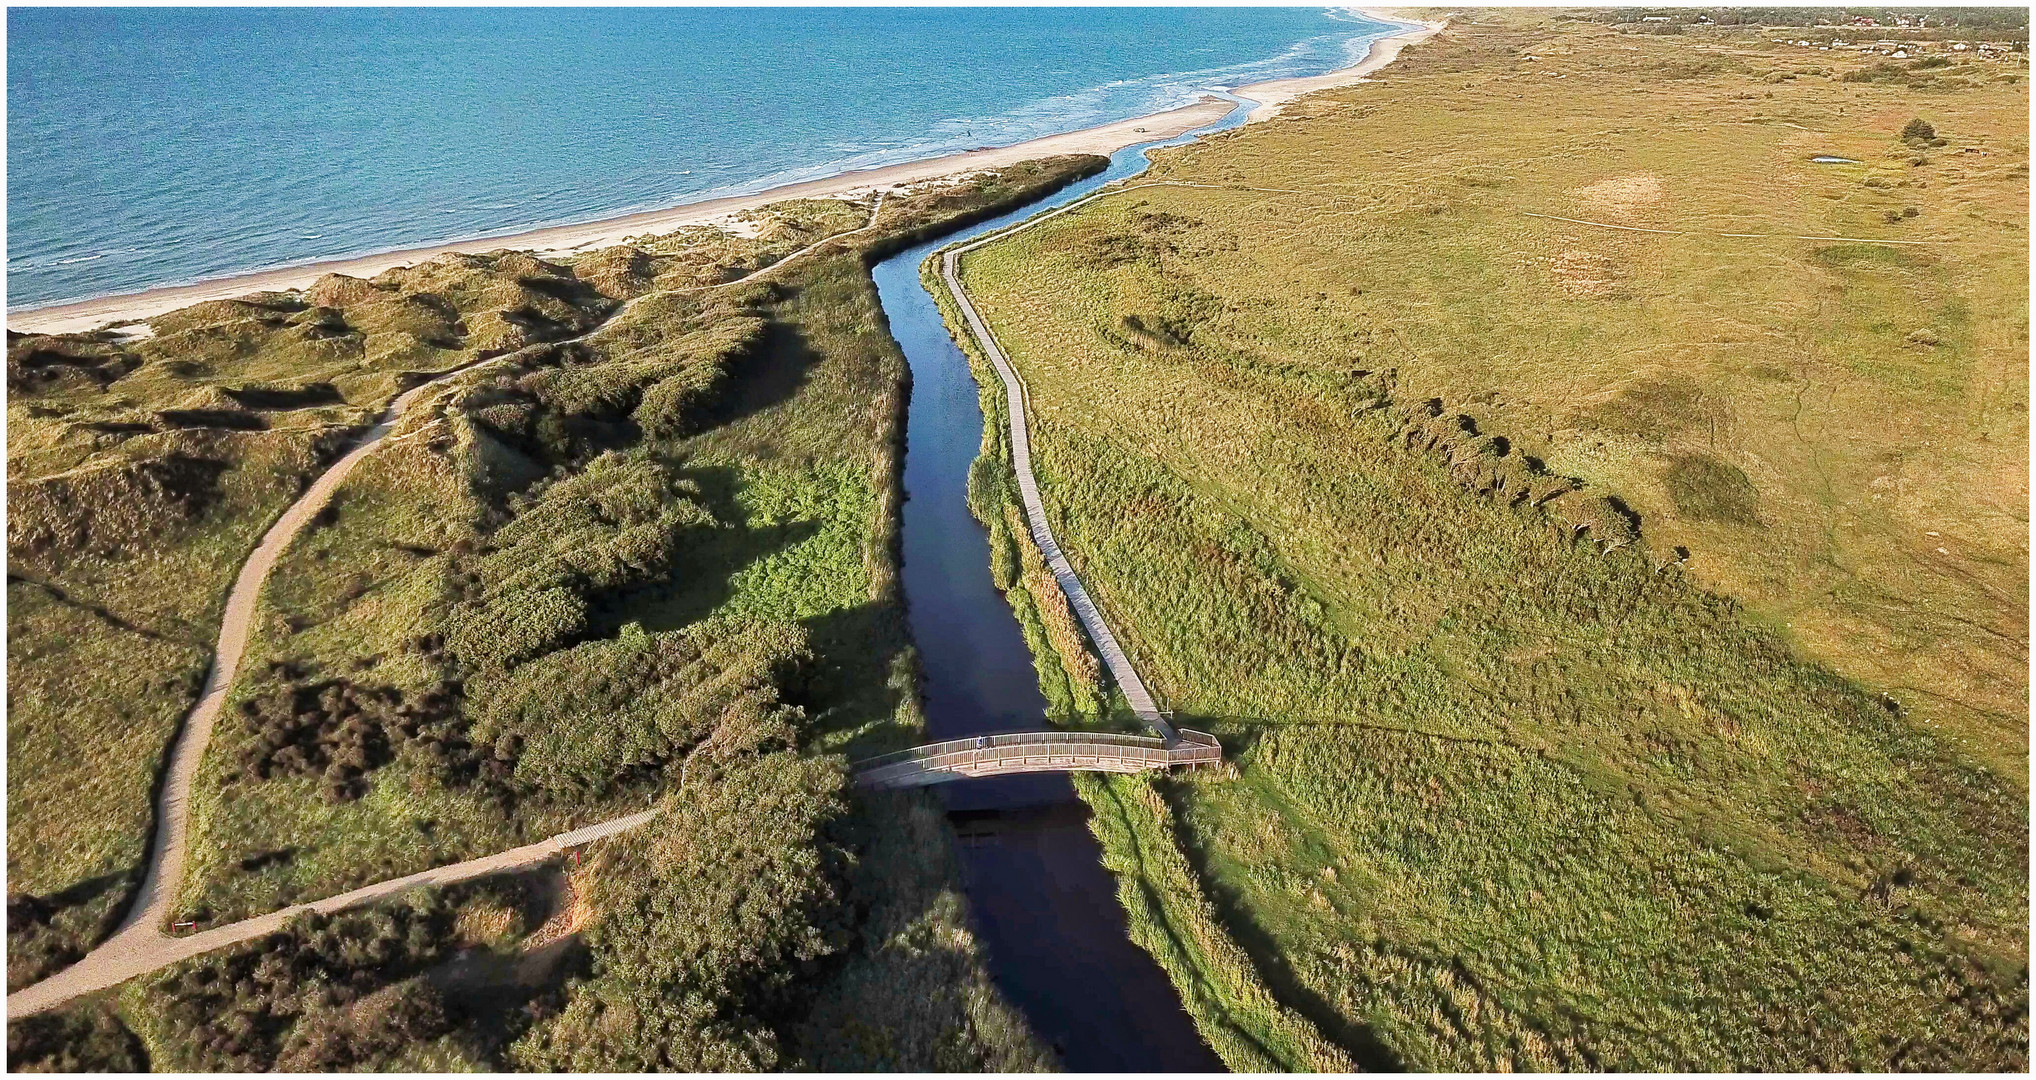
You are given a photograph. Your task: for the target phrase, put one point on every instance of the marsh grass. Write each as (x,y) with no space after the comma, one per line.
(1170,918)
(1511,797)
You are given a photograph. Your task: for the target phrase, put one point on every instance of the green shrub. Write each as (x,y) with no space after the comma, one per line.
(588,717)
(83,1037)
(710,923)
(614,525)
(309,997)
(1706,489)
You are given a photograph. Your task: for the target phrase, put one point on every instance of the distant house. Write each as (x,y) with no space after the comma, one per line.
(1959,46)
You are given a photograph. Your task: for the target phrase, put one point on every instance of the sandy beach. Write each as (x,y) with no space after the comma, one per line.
(562,240)
(1271,95)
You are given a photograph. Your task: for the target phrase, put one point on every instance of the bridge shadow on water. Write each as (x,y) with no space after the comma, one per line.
(1058,942)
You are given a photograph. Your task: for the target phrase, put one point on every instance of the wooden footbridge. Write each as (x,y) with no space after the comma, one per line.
(1035,752)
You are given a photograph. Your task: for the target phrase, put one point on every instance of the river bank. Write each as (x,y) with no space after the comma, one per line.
(563,240)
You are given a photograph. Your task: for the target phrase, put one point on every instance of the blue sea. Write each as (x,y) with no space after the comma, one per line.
(152,147)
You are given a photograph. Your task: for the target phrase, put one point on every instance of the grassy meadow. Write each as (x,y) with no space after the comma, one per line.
(1734,777)
(563,579)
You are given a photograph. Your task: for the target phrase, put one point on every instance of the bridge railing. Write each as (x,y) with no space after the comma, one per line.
(1040,751)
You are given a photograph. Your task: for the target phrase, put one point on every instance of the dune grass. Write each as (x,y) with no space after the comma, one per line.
(714,472)
(1513,796)
(141,471)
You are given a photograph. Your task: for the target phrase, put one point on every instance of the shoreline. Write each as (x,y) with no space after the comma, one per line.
(559,241)
(1272,96)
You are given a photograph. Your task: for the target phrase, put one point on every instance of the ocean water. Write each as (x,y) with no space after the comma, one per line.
(152,147)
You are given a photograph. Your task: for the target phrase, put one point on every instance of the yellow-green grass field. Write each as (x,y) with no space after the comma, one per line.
(1510,796)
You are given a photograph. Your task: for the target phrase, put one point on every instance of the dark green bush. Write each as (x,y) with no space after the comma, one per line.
(610,527)
(1707,489)
(604,711)
(308,997)
(711,922)
(83,1037)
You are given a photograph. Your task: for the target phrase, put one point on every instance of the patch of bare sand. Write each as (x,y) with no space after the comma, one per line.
(1620,198)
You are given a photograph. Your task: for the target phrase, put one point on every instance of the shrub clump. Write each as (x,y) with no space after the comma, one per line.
(710,922)
(611,527)
(607,712)
(340,730)
(1707,489)
(84,1037)
(326,992)
(110,508)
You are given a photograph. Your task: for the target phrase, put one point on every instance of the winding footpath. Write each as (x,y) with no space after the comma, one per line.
(139,945)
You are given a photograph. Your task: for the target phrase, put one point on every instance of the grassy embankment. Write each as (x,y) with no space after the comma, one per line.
(670,542)
(1513,795)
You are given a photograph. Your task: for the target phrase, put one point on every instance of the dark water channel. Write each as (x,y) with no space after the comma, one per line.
(1043,904)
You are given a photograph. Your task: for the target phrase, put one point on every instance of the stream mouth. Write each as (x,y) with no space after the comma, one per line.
(1041,900)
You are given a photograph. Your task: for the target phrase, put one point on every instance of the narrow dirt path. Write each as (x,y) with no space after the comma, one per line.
(139,944)
(129,954)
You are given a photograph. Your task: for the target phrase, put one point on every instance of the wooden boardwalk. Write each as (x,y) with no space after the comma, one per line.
(1113,655)
(1035,752)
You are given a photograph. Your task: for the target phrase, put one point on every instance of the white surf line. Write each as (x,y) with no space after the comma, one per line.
(140,933)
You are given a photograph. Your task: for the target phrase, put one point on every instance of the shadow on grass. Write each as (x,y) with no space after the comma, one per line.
(771,375)
(1358,1041)
(46,934)
(861,671)
(710,557)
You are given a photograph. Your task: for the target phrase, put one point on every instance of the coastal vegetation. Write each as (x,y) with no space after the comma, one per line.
(655,564)
(143,465)
(1597,532)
